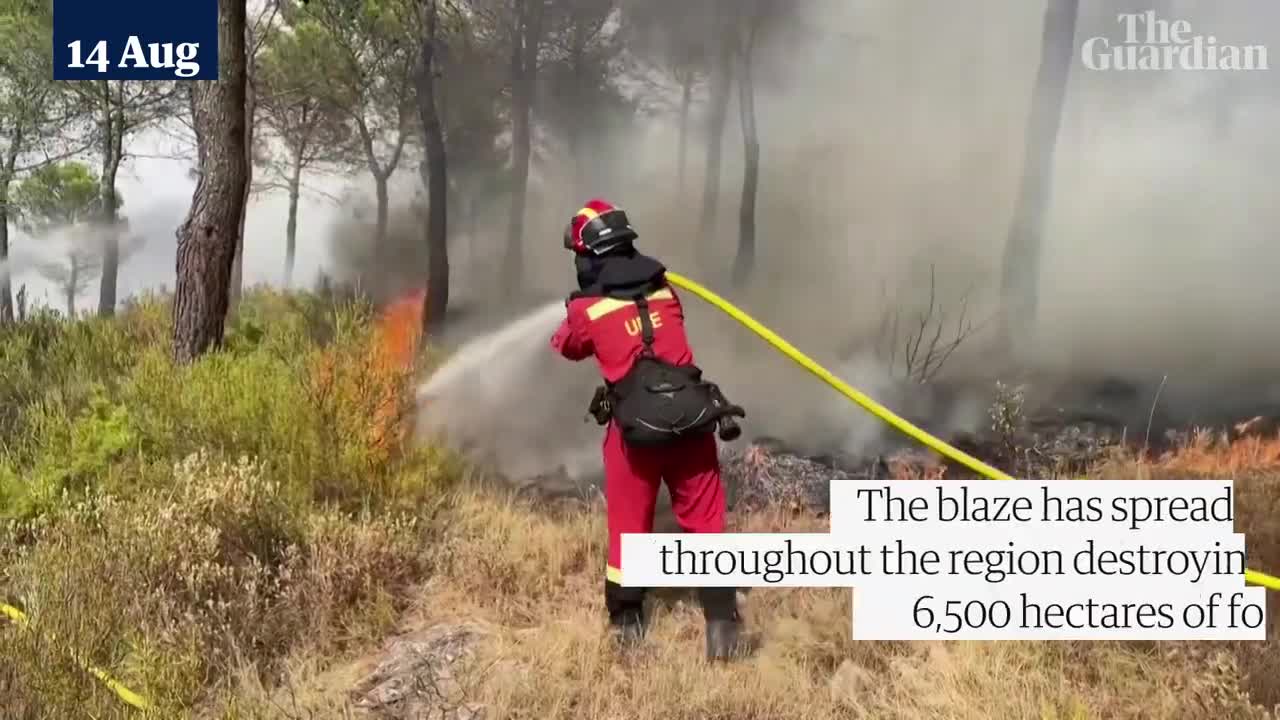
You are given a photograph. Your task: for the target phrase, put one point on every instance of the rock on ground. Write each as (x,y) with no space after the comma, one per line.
(423,675)
(767,474)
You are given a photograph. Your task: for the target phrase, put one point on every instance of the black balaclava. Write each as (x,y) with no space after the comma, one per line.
(588,267)
(623,272)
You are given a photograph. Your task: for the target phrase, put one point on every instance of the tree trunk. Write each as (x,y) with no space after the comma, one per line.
(383,198)
(69,292)
(291,227)
(381,173)
(686,100)
(6,287)
(435,177)
(473,234)
(1023,249)
(10,161)
(745,260)
(721,84)
(524,68)
(250,111)
(236,284)
(207,239)
(112,150)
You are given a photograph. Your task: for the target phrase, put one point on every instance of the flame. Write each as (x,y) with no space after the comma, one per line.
(400,331)
(363,388)
(396,347)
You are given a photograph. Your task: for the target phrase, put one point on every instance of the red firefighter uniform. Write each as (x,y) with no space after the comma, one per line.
(610,330)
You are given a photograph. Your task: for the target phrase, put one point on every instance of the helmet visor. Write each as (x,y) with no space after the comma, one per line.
(607,230)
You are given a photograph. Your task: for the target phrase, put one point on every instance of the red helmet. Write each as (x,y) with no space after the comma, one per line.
(598,228)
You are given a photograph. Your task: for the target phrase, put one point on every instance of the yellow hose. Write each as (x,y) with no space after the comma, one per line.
(128,696)
(873,407)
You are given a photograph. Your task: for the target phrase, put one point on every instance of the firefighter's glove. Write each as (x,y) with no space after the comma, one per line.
(600,408)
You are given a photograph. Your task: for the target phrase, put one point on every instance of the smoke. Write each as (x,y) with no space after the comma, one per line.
(382,270)
(892,145)
(492,398)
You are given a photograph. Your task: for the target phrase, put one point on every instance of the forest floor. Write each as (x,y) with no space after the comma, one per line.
(512,627)
(252,537)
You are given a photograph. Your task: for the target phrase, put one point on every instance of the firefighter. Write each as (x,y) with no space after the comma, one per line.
(630,320)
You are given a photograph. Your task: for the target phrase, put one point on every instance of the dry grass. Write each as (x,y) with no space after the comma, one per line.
(1253,462)
(557,664)
(533,578)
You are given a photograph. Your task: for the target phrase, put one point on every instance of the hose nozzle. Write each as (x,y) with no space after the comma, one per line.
(729,429)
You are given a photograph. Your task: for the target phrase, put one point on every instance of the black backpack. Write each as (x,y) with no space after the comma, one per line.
(658,402)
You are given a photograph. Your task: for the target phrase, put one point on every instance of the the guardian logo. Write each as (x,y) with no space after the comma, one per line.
(1152,43)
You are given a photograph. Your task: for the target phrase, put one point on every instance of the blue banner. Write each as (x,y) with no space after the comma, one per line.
(135,39)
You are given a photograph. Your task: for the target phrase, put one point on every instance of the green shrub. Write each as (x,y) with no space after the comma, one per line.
(175,524)
(50,360)
(298,386)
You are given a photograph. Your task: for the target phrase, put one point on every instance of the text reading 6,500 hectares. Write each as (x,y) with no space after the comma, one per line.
(954,616)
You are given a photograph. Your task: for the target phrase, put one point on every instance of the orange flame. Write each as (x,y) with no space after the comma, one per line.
(400,330)
(396,347)
(363,388)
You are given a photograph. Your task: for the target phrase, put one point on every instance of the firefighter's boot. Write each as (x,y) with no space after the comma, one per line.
(627,632)
(626,614)
(724,624)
